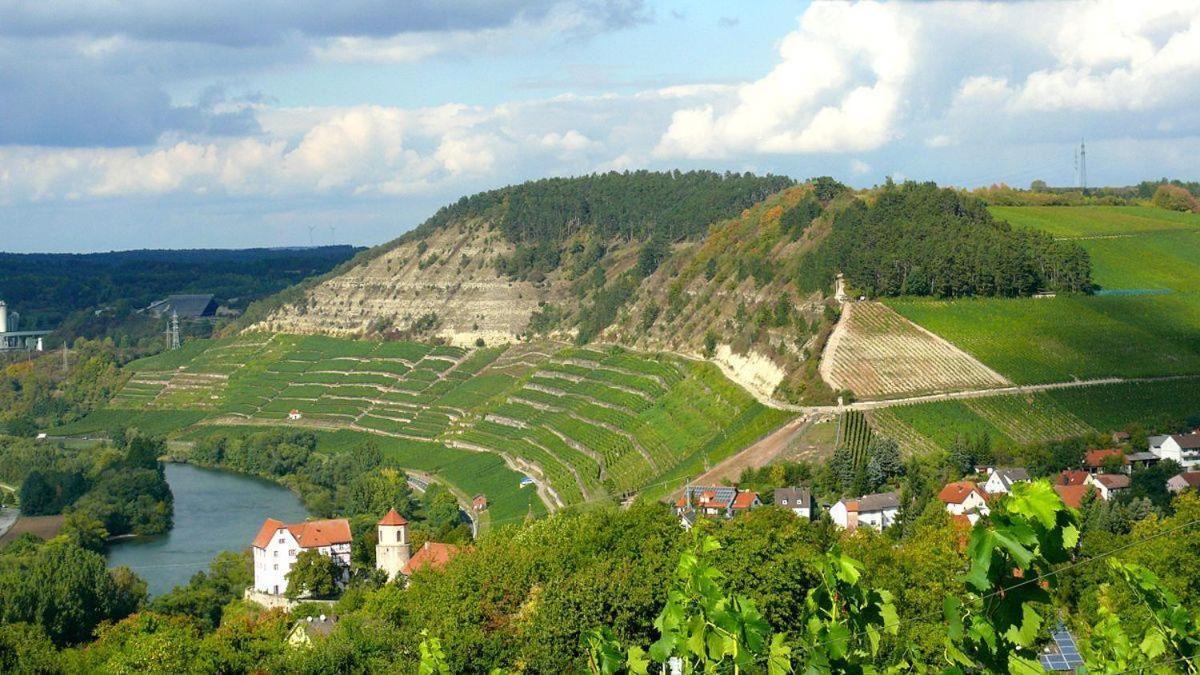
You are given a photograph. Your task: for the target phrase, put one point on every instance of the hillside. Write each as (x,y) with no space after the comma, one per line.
(586,424)
(481,267)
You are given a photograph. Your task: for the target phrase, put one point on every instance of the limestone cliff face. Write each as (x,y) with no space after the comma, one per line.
(451,274)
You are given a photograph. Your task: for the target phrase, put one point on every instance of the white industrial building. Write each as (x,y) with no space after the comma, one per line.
(12,338)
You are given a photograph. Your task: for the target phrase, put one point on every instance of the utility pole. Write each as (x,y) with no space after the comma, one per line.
(1082,165)
(66,366)
(174,330)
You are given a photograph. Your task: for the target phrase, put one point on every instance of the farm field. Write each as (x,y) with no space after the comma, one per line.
(1095,221)
(1042,416)
(1144,322)
(1066,338)
(880,354)
(587,424)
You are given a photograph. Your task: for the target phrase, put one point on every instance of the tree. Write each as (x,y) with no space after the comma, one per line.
(710,344)
(84,531)
(65,589)
(1174,198)
(144,452)
(884,462)
(313,575)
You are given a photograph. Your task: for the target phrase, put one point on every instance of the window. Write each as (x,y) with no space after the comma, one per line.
(398,537)
(282,540)
(783,501)
(275,554)
(292,552)
(275,566)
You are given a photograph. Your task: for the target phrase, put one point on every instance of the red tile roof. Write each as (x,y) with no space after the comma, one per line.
(393,518)
(1192,478)
(957,493)
(432,555)
(1072,495)
(1095,458)
(1072,477)
(309,534)
(745,500)
(1112,481)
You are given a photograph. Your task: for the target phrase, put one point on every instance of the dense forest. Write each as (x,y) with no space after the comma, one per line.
(918,239)
(108,491)
(46,288)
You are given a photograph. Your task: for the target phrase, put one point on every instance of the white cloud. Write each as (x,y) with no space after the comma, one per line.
(859,167)
(838,87)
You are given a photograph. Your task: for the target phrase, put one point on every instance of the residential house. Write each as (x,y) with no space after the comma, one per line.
(1187,480)
(1108,484)
(1072,495)
(294,415)
(277,544)
(1183,448)
(798,500)
(713,502)
(310,628)
(1072,477)
(1000,481)
(1097,460)
(876,511)
(1120,437)
(479,504)
(964,498)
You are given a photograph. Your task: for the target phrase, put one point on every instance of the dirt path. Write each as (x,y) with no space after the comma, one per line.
(759,454)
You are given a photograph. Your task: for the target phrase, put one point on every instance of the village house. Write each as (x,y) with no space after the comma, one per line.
(294,415)
(1097,461)
(479,504)
(798,500)
(1072,495)
(1187,480)
(1108,484)
(876,511)
(713,502)
(964,498)
(277,544)
(1183,448)
(1141,460)
(1072,477)
(310,628)
(1000,481)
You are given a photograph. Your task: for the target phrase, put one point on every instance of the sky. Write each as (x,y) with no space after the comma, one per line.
(226,123)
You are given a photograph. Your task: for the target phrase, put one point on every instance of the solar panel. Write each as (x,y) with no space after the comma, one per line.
(1063,655)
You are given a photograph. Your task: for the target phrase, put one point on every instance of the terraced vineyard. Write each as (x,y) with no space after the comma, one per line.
(1028,418)
(876,353)
(586,424)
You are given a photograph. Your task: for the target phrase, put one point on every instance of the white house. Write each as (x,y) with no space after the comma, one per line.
(1000,481)
(1108,484)
(294,414)
(277,545)
(964,498)
(876,511)
(798,500)
(1183,448)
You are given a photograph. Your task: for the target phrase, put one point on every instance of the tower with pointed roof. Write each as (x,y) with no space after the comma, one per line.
(392,551)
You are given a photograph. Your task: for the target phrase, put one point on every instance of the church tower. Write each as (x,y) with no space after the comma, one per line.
(392,551)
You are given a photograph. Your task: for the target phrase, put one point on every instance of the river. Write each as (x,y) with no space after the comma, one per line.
(214,511)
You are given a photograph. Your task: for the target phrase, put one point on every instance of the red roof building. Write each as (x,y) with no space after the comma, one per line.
(309,534)
(1075,477)
(1072,495)
(1095,459)
(393,518)
(431,556)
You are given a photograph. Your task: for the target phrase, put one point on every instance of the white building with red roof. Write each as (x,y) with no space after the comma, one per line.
(392,550)
(964,498)
(277,545)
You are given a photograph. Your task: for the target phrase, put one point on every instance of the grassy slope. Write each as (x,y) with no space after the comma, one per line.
(1133,248)
(620,421)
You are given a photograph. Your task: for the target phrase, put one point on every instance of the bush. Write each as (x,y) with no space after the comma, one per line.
(1175,198)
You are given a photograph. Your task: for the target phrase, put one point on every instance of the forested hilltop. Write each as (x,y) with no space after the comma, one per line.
(730,267)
